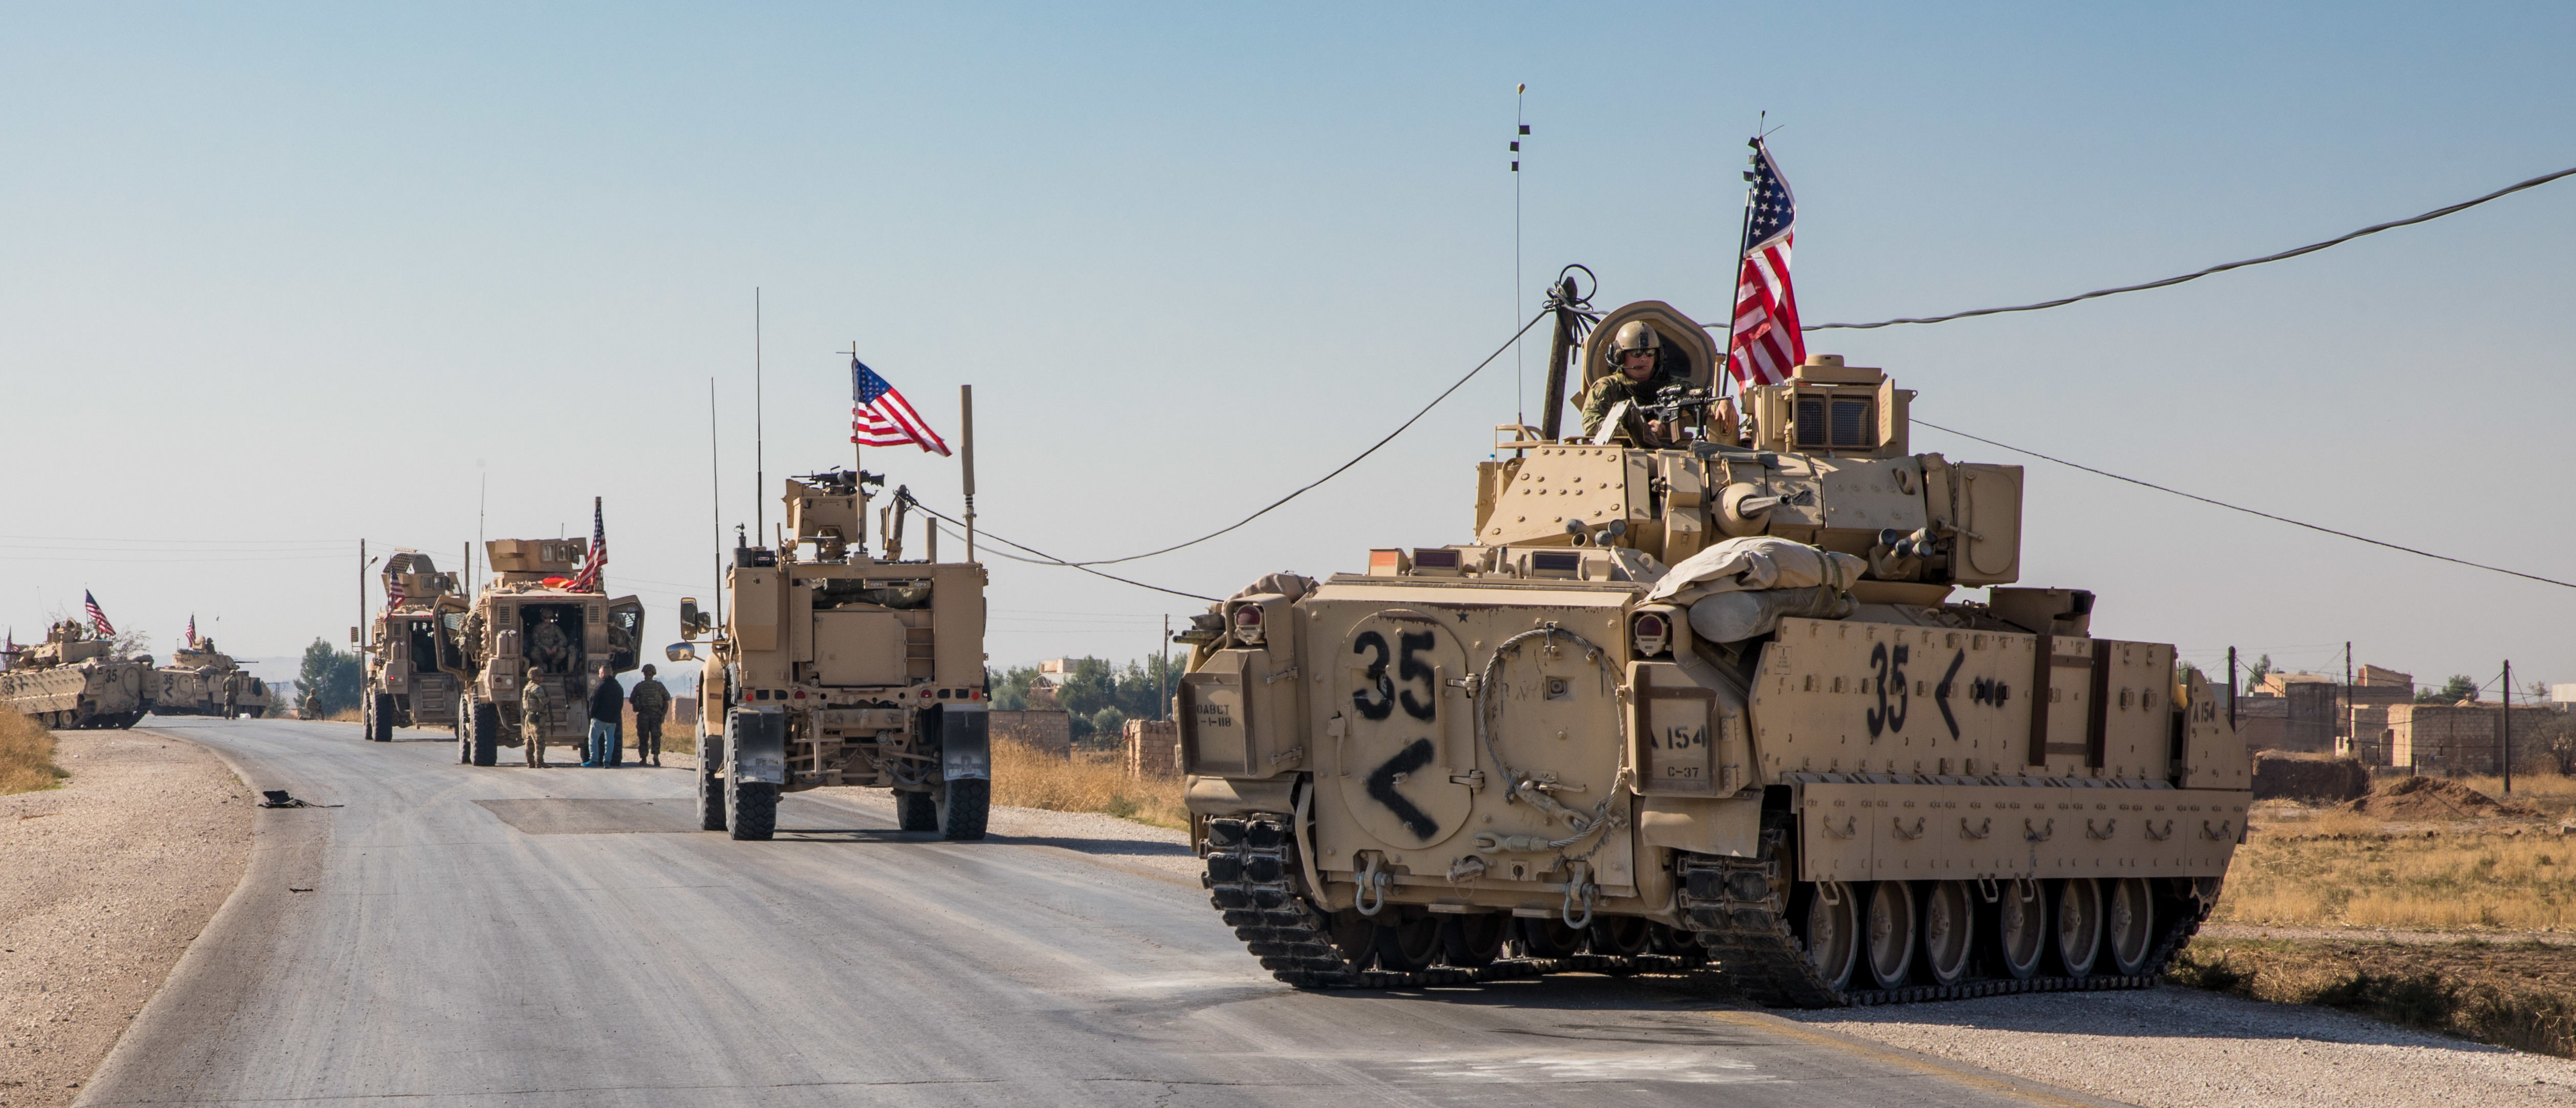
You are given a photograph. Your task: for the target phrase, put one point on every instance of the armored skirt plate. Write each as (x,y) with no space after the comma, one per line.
(1869,832)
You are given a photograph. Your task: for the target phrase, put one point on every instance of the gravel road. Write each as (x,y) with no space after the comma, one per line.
(103,882)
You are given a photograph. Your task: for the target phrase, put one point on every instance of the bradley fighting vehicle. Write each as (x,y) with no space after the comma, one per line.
(1709,701)
(531,624)
(835,668)
(203,681)
(404,685)
(74,680)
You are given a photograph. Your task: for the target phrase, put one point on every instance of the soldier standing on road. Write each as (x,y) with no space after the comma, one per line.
(607,707)
(652,702)
(1637,374)
(536,710)
(232,699)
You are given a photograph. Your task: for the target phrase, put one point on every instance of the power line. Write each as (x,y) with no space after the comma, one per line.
(2251,511)
(1051,559)
(2311,248)
(1337,470)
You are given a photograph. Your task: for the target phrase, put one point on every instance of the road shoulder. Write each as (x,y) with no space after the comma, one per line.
(110,878)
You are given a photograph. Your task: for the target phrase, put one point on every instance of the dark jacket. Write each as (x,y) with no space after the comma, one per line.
(608,701)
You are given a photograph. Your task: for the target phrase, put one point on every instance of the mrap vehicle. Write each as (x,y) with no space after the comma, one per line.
(1703,695)
(836,668)
(533,622)
(404,686)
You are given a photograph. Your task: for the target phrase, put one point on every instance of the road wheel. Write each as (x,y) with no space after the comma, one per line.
(2021,929)
(915,812)
(380,718)
(1833,932)
(750,808)
(1949,932)
(1549,938)
(963,806)
(1408,946)
(1474,941)
(711,799)
(1889,939)
(2130,919)
(483,738)
(1621,935)
(2079,925)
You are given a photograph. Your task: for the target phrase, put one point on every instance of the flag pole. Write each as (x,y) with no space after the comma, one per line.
(1735,290)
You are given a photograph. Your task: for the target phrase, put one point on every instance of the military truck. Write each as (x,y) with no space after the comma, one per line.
(404,686)
(74,679)
(531,623)
(203,681)
(1709,696)
(836,668)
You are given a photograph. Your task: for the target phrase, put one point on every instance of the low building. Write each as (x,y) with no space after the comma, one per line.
(1153,748)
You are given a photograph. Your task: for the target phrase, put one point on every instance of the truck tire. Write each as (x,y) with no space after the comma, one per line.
(465,729)
(915,812)
(483,739)
(750,808)
(711,800)
(380,718)
(962,805)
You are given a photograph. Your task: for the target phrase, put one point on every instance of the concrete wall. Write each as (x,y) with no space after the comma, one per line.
(1048,730)
(1153,748)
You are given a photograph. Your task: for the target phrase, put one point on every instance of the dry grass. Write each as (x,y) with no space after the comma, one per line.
(2331,868)
(2554,795)
(26,755)
(2515,995)
(1024,777)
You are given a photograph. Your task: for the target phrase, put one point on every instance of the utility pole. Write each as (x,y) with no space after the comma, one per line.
(2344,721)
(2508,727)
(1163,677)
(358,633)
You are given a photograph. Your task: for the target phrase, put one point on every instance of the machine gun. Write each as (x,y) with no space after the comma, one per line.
(1674,406)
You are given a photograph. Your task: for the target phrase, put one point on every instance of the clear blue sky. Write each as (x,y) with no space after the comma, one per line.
(273,278)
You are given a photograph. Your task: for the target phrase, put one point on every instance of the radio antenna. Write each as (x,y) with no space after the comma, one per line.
(715,495)
(759,434)
(1520,364)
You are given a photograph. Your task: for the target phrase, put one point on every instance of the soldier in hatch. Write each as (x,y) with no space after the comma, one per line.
(1636,374)
(549,647)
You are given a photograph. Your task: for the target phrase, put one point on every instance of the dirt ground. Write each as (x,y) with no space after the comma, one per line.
(107,880)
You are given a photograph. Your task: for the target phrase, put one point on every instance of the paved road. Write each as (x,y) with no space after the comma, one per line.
(560,937)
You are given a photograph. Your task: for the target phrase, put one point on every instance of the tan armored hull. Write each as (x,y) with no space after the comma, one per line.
(94,693)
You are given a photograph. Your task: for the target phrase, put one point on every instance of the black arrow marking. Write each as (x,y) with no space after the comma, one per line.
(1381,788)
(1941,695)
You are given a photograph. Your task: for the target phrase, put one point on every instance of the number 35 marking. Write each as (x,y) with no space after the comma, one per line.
(1408,667)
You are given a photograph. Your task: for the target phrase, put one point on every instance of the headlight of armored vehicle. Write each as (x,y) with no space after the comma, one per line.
(1651,633)
(1247,625)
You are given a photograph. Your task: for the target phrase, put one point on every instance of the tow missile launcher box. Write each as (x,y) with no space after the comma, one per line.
(75,680)
(531,624)
(203,681)
(836,668)
(1710,698)
(404,686)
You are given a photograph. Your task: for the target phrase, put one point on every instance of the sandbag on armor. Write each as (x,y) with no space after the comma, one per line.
(1741,588)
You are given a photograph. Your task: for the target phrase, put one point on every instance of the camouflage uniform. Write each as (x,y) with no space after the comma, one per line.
(550,647)
(536,710)
(652,702)
(1613,387)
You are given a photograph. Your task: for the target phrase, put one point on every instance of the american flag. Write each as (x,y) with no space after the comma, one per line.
(401,564)
(588,579)
(97,616)
(192,630)
(879,416)
(1764,343)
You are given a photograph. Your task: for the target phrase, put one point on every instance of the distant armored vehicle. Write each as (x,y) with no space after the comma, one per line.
(404,686)
(203,681)
(1701,692)
(835,668)
(74,680)
(532,624)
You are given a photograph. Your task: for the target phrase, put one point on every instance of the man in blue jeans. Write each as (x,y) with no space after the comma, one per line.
(607,708)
